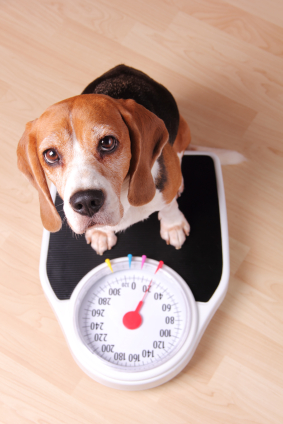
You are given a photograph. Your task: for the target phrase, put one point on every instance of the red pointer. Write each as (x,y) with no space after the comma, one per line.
(133,319)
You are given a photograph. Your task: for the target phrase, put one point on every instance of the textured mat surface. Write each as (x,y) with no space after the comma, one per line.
(199,261)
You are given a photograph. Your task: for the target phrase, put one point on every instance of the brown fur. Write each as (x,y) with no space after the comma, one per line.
(172,162)
(148,136)
(174,174)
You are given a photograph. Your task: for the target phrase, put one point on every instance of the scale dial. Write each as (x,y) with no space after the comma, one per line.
(158,345)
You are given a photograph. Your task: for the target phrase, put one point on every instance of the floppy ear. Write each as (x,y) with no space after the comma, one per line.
(148,135)
(30,165)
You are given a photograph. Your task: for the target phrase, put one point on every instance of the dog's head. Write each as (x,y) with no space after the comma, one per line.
(87,145)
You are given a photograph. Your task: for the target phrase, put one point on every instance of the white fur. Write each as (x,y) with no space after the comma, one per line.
(173,225)
(84,176)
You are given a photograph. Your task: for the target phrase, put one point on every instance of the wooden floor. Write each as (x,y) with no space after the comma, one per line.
(223,61)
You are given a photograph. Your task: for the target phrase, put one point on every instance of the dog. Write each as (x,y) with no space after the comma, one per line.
(114,154)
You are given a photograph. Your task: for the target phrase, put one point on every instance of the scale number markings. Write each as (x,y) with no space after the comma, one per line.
(162,315)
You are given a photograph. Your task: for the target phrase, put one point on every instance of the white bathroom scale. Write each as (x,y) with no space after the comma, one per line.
(134,316)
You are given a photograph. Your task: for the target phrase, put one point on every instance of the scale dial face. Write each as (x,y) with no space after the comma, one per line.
(167,315)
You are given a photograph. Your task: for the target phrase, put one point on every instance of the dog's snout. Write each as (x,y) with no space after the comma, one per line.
(87,202)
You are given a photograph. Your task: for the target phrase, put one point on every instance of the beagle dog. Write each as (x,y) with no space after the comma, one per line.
(114,154)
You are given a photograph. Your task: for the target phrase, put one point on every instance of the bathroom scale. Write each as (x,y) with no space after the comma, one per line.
(134,316)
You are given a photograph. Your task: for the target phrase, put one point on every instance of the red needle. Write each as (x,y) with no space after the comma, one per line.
(132,320)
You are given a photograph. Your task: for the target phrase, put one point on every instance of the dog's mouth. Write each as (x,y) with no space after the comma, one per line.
(81,227)
(101,222)
(92,223)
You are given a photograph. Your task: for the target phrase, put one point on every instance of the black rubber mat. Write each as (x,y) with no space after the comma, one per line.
(199,261)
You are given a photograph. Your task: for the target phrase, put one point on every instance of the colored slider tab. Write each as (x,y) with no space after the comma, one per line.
(160,265)
(109,264)
(143,260)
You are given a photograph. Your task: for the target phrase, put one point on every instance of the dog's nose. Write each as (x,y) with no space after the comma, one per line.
(87,202)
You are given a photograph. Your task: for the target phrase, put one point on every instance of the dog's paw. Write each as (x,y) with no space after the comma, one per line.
(100,240)
(175,234)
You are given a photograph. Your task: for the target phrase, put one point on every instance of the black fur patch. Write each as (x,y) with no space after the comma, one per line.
(123,82)
(162,174)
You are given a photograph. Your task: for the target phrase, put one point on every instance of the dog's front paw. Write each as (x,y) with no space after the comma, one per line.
(100,240)
(175,234)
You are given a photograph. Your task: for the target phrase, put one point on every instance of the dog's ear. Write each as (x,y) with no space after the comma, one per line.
(148,135)
(30,165)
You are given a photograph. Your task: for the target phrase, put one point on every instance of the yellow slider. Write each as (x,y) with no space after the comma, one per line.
(109,264)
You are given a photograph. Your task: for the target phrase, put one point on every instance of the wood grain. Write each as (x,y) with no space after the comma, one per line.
(222,60)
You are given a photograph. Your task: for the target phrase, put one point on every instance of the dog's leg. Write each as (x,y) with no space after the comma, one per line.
(173,225)
(101,239)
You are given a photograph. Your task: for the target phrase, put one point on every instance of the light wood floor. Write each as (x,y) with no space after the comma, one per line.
(223,61)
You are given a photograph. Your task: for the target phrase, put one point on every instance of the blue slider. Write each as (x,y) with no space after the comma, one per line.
(130,259)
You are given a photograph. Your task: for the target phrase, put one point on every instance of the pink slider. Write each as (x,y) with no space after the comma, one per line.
(143,260)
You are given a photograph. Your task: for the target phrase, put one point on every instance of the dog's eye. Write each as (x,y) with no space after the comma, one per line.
(108,143)
(51,156)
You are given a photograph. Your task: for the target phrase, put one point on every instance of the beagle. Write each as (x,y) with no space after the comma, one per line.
(114,154)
